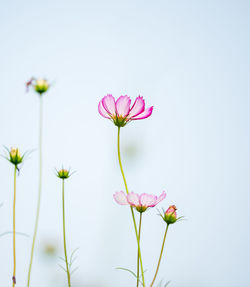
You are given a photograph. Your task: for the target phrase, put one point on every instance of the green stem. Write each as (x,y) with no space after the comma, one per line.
(159,261)
(14,231)
(39,190)
(132,211)
(64,236)
(138,258)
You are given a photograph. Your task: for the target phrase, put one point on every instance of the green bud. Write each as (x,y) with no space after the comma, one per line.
(63,173)
(41,86)
(15,156)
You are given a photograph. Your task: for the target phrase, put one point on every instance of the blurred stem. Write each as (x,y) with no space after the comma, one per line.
(159,261)
(64,236)
(132,211)
(39,189)
(14,231)
(138,258)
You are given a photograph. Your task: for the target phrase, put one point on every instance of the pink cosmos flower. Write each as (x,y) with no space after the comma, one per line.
(119,111)
(140,202)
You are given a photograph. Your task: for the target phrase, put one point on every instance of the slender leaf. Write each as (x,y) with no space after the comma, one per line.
(131,272)
(62,267)
(73,271)
(72,254)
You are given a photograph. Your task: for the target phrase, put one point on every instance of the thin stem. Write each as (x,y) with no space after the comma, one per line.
(159,261)
(39,190)
(120,162)
(138,258)
(64,236)
(14,231)
(132,211)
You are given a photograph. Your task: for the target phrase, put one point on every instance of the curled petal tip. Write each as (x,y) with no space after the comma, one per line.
(147,113)
(137,108)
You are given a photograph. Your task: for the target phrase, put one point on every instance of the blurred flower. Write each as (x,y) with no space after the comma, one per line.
(40,85)
(50,249)
(140,202)
(119,111)
(170,215)
(63,173)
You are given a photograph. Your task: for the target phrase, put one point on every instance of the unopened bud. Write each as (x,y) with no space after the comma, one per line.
(15,156)
(170,215)
(63,173)
(41,86)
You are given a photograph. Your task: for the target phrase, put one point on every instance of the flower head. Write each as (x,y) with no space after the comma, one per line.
(63,173)
(170,215)
(40,85)
(15,156)
(140,202)
(120,112)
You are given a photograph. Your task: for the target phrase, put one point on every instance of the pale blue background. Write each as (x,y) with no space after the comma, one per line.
(190,59)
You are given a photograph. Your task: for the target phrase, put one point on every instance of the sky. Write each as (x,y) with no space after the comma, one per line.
(190,60)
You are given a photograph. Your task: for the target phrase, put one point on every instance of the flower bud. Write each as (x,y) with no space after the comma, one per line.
(63,173)
(41,86)
(15,156)
(170,215)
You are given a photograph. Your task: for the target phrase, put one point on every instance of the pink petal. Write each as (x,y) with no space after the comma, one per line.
(133,199)
(161,197)
(120,198)
(102,111)
(172,210)
(148,200)
(122,106)
(144,114)
(109,104)
(137,108)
